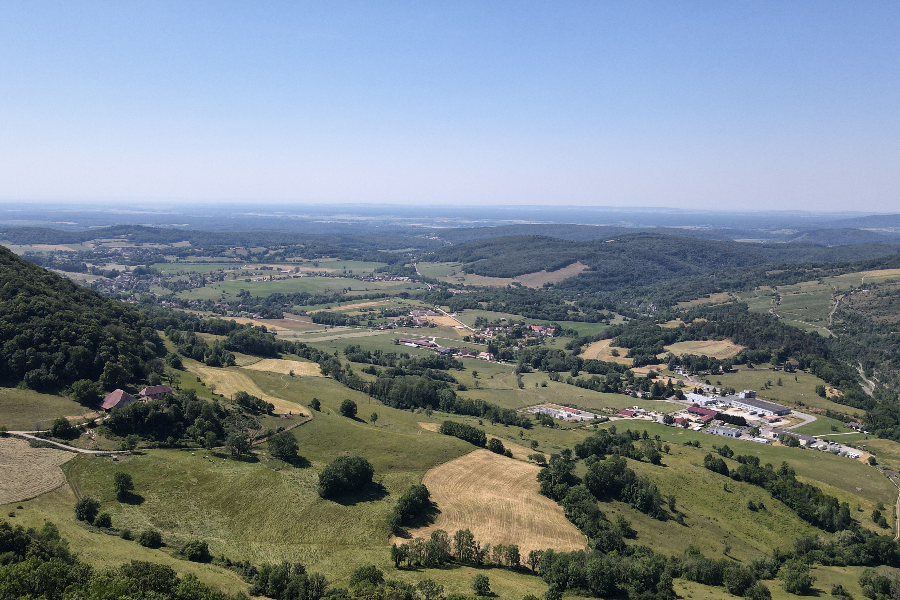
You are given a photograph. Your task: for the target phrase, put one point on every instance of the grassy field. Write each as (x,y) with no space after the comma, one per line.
(26,410)
(823,426)
(29,472)
(101,550)
(311,285)
(497,498)
(234,379)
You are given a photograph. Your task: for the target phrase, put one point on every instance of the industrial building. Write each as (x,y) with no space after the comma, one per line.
(748,401)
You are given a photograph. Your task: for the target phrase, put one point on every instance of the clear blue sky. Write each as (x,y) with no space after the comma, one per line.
(728,105)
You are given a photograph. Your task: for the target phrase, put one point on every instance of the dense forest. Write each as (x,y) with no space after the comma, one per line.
(55,332)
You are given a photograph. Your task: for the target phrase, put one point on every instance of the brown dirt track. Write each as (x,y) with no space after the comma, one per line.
(497,499)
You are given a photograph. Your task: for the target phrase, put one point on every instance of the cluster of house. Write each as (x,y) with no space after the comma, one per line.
(538,330)
(461,352)
(809,441)
(563,413)
(120,398)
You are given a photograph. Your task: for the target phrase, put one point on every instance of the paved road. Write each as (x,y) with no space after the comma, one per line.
(807,419)
(28,436)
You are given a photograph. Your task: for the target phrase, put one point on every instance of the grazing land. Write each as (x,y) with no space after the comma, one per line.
(497,499)
(286,367)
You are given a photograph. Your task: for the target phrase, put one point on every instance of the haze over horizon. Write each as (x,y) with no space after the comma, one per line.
(697,105)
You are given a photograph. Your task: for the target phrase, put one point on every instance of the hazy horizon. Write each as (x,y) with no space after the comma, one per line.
(698,106)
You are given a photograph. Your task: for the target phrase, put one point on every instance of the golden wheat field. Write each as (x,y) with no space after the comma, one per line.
(28,472)
(720,349)
(497,499)
(284,367)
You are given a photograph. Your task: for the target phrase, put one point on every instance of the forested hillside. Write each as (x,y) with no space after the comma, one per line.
(54,332)
(638,258)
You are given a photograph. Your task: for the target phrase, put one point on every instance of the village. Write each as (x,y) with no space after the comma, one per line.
(738,416)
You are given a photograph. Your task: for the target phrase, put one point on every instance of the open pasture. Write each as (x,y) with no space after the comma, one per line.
(497,499)
(29,472)
(533,280)
(27,410)
(720,349)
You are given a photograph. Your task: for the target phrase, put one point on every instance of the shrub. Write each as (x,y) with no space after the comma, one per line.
(150,538)
(103,520)
(196,551)
(63,430)
(315,404)
(495,446)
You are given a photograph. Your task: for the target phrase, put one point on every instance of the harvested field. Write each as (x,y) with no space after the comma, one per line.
(270,324)
(352,306)
(533,280)
(232,380)
(430,426)
(719,298)
(602,350)
(497,499)
(445,321)
(277,365)
(720,349)
(29,472)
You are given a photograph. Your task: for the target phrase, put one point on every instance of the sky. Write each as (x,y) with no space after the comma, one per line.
(706,105)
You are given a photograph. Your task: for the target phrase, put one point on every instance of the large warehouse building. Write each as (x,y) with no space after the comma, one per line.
(747,400)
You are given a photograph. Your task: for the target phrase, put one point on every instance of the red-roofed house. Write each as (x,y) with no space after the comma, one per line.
(155,392)
(703,412)
(117,399)
(626,413)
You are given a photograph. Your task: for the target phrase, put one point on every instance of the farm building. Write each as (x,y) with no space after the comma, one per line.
(725,430)
(117,399)
(154,392)
(702,412)
(748,401)
(563,413)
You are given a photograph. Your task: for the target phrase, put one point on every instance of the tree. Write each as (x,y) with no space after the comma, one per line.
(150,538)
(85,391)
(369,575)
(62,429)
(284,446)
(534,558)
(796,577)
(123,485)
(315,404)
(86,509)
(237,442)
(481,585)
(345,475)
(348,408)
(496,446)
(373,417)
(430,589)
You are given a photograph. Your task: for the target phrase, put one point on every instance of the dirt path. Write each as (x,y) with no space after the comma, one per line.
(837,303)
(869,385)
(28,436)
